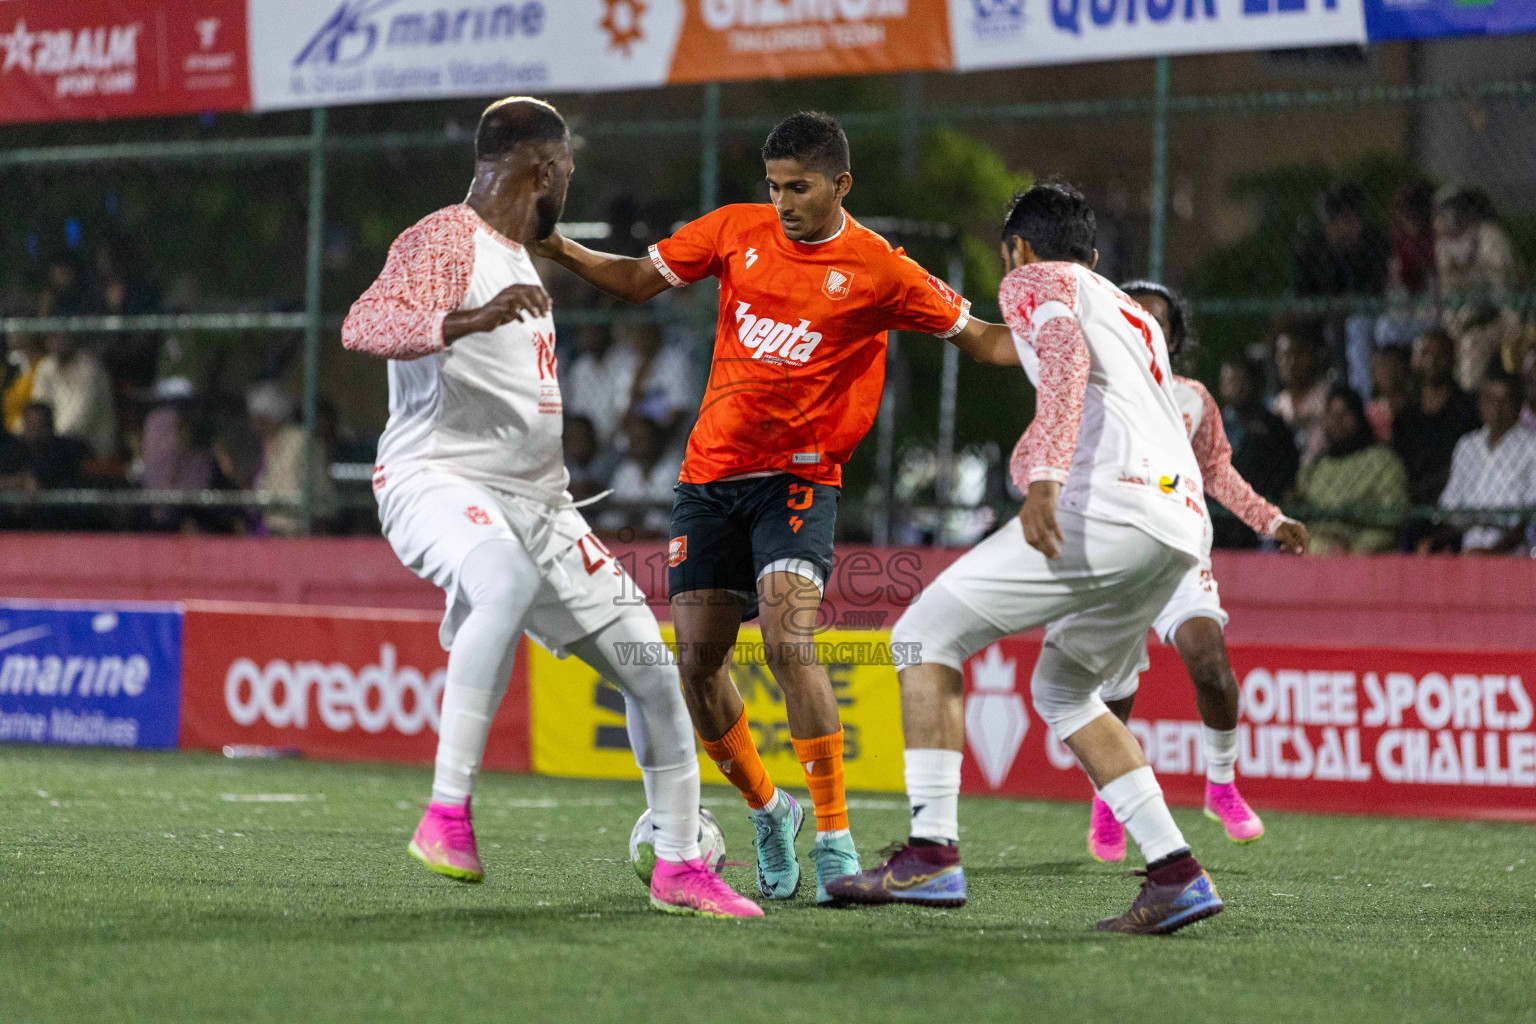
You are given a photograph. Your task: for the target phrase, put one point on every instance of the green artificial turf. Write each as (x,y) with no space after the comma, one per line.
(184,887)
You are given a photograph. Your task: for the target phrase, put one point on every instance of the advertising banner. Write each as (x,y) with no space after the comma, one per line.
(577,719)
(337,684)
(1419,19)
(1018,33)
(1359,730)
(105,675)
(121,58)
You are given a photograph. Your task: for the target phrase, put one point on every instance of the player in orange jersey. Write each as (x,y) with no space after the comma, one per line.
(806,297)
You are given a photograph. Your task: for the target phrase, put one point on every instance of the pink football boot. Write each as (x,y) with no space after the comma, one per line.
(1225,804)
(689,887)
(445,842)
(1106,836)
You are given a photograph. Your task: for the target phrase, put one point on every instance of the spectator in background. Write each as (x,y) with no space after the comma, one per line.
(1263,448)
(1493,468)
(1528,381)
(663,390)
(644,480)
(64,292)
(74,384)
(1357,487)
(174,458)
(1477,271)
(597,382)
(23,353)
(1303,396)
(113,290)
(589,465)
(281,468)
(1343,254)
(53,461)
(1410,284)
(1437,415)
(1389,391)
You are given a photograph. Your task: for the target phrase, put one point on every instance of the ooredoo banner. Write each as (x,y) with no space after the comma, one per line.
(105,675)
(121,58)
(338,684)
(1360,730)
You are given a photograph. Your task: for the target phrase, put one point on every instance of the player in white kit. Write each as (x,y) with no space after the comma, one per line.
(1113,520)
(1193,619)
(471,486)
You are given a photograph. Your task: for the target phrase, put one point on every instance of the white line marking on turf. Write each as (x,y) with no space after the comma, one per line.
(269,798)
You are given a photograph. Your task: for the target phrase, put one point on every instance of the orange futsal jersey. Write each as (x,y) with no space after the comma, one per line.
(799,357)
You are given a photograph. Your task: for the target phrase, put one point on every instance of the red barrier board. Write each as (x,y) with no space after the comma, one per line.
(331,683)
(121,58)
(1333,729)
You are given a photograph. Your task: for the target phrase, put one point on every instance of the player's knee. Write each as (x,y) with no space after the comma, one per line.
(1065,694)
(924,634)
(1208,666)
(699,662)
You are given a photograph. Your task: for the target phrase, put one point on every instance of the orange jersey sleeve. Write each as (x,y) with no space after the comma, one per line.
(921,302)
(693,251)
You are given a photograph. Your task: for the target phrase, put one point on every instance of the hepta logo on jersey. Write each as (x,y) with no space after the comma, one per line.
(776,342)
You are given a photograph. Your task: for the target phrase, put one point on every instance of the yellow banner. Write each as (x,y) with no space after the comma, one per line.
(577,718)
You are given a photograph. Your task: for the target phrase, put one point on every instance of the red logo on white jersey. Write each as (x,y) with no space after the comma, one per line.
(677,554)
(837,283)
(767,338)
(544,348)
(477,515)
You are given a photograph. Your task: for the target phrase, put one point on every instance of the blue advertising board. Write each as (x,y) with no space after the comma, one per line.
(90,674)
(1421,19)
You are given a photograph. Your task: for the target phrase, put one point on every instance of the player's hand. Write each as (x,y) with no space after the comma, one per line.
(1293,536)
(1039,518)
(549,248)
(509,304)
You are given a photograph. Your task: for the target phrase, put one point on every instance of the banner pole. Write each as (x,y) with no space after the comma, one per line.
(314,251)
(1159,226)
(709,175)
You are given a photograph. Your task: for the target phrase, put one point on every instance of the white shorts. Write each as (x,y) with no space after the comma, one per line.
(1098,596)
(1196,598)
(435,520)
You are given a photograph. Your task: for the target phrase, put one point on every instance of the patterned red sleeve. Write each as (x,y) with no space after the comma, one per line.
(1222,481)
(1040,306)
(424,279)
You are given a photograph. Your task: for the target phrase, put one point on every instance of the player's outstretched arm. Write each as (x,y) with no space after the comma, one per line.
(1224,483)
(991,344)
(632,279)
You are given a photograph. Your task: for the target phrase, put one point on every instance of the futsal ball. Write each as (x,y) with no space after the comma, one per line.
(642,844)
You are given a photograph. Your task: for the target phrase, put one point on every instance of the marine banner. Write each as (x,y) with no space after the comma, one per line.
(89,674)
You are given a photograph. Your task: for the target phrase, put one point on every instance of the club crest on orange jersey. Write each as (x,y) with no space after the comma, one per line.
(837,283)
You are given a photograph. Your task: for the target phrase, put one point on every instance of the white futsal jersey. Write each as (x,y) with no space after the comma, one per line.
(1121,450)
(486,408)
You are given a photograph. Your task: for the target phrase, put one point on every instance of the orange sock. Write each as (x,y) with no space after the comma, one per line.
(822,759)
(736,757)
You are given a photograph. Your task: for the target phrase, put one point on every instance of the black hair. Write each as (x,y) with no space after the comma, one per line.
(1178,310)
(1498,375)
(1055,219)
(815,139)
(1303,328)
(507,124)
(1345,197)
(1363,437)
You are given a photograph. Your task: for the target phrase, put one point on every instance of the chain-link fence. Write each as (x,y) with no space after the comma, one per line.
(1349,200)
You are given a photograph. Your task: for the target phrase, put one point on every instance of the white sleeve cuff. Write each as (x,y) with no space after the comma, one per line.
(666,271)
(1274,524)
(959,324)
(1047,473)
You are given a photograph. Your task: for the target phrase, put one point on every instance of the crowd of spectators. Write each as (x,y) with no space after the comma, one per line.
(116,410)
(1412,426)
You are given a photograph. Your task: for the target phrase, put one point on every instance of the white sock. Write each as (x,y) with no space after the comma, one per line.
(498,581)
(1220,755)
(673,794)
(933,787)
(836,833)
(1137,801)
(776,804)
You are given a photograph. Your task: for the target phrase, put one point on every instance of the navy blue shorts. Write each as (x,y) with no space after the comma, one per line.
(726,533)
